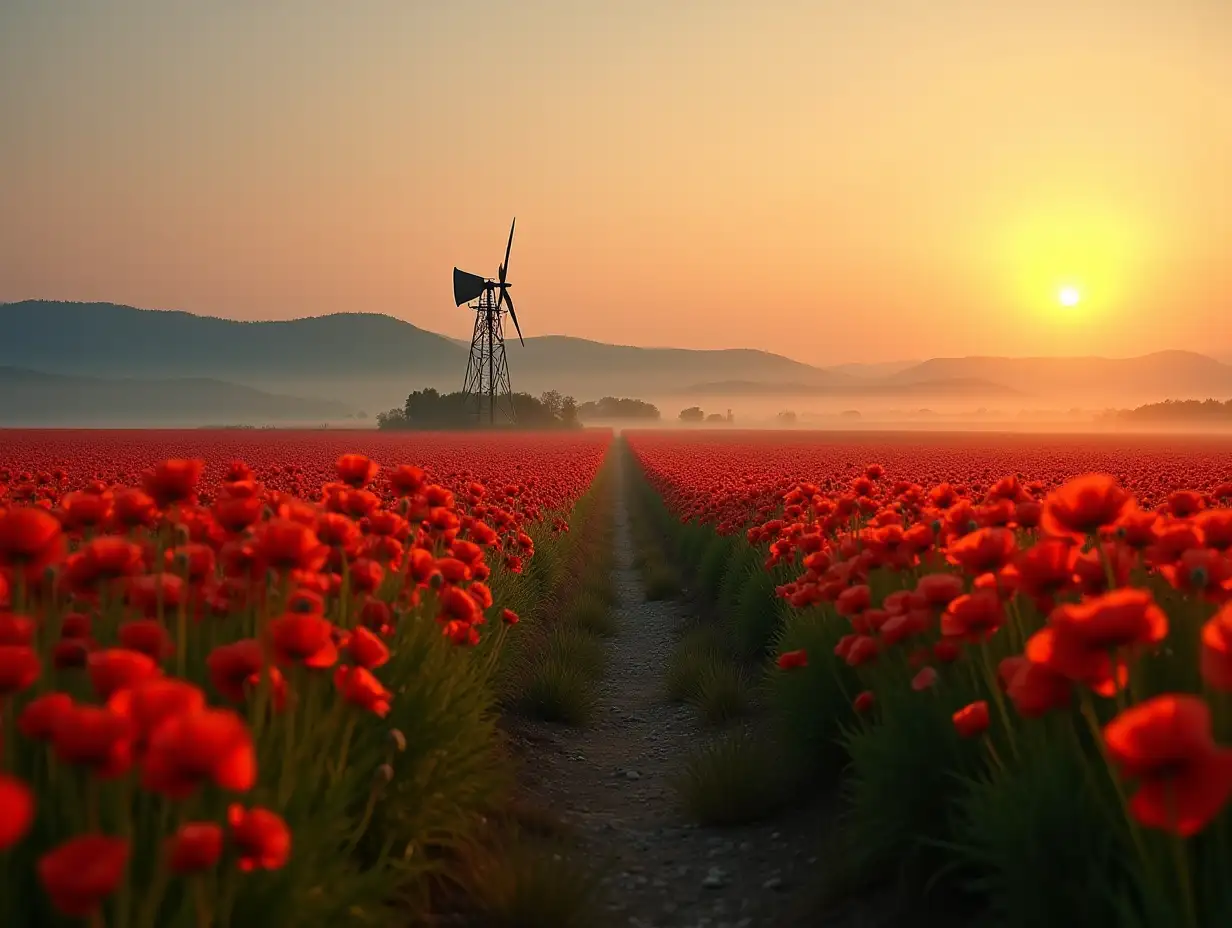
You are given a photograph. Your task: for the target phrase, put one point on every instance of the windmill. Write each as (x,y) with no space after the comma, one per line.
(487,371)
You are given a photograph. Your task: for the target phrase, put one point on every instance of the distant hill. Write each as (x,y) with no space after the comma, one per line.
(364,359)
(601,368)
(106,339)
(1163,373)
(863,387)
(872,370)
(33,398)
(372,361)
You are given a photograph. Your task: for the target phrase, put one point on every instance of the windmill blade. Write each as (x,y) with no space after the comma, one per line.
(467,287)
(512,315)
(504,268)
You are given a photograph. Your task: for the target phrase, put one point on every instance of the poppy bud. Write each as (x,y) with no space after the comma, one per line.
(398,739)
(384,774)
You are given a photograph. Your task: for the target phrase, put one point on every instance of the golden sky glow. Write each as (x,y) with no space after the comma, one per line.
(831,180)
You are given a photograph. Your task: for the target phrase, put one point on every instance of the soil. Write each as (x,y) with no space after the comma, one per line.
(611,784)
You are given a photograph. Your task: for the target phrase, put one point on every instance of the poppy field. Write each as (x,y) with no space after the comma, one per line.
(248,672)
(1013,653)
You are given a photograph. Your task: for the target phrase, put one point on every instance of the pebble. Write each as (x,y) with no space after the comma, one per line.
(715,878)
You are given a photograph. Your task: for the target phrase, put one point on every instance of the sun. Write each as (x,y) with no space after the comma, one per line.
(1068,296)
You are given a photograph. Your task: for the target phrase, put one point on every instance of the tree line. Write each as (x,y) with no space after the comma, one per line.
(1176,410)
(431,409)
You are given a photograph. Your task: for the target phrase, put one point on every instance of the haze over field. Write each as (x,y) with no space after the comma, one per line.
(79,363)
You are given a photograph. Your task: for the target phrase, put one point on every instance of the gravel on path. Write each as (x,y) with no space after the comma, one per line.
(612,784)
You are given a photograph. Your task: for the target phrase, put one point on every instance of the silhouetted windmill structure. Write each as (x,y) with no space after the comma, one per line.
(487,370)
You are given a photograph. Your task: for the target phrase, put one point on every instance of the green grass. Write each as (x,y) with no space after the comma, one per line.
(521,882)
(698,650)
(722,692)
(579,647)
(591,613)
(734,781)
(662,581)
(556,682)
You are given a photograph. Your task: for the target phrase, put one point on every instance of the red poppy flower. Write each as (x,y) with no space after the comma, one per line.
(39,716)
(194,847)
(1183,778)
(94,737)
(1083,506)
(356,471)
(19,668)
(1216,654)
(366,649)
(118,668)
(1090,642)
(973,617)
(261,838)
(925,678)
(360,688)
(305,638)
(793,660)
(31,540)
(972,720)
(174,481)
(189,750)
(83,871)
(16,810)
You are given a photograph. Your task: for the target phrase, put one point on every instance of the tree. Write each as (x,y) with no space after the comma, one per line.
(692,414)
(609,407)
(393,419)
(787,417)
(552,401)
(569,411)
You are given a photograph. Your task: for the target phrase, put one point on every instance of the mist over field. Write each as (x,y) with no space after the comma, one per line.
(101,364)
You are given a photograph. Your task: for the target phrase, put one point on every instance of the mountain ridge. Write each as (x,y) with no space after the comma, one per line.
(372,360)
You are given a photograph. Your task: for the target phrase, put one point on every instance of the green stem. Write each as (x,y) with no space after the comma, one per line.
(346,746)
(181,638)
(1180,858)
(990,675)
(1109,573)
(201,903)
(1097,734)
(92,804)
(226,899)
(363,823)
(9,760)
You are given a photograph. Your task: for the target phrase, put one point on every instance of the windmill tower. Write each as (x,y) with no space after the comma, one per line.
(487,370)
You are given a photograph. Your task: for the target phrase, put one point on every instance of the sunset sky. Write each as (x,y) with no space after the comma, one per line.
(835,181)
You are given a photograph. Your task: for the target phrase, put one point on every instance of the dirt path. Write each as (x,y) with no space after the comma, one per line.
(611,782)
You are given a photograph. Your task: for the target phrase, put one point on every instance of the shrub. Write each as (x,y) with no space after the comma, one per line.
(732,781)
